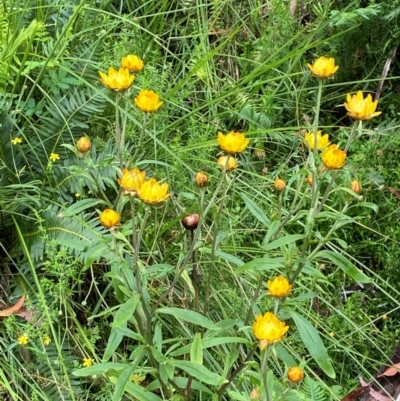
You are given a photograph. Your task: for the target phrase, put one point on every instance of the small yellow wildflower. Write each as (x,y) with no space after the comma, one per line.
(47,340)
(87,362)
(78,195)
(54,157)
(23,340)
(16,140)
(323,67)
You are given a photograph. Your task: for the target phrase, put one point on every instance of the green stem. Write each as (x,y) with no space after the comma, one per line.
(264,371)
(117,130)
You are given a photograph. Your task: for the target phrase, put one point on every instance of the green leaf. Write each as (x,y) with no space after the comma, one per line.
(196,350)
(343,263)
(198,371)
(288,239)
(256,211)
(114,340)
(82,205)
(125,311)
(262,264)
(189,316)
(99,369)
(140,394)
(312,341)
(272,230)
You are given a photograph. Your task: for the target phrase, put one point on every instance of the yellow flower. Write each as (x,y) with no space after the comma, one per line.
(87,362)
(83,144)
(322,140)
(117,80)
(234,142)
(355,186)
(16,140)
(148,100)
(232,163)
(131,181)
(110,218)
(54,157)
(152,192)
(279,287)
(309,179)
(323,67)
(269,329)
(295,374)
(279,184)
(23,340)
(78,195)
(47,340)
(132,63)
(201,179)
(333,157)
(360,108)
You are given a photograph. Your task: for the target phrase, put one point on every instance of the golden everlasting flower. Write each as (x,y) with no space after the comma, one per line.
(322,140)
(360,108)
(201,179)
(295,374)
(234,142)
(117,80)
(47,340)
(279,287)
(333,158)
(16,140)
(269,329)
(232,163)
(323,67)
(148,100)
(83,144)
(23,340)
(131,181)
(152,192)
(54,157)
(132,63)
(87,362)
(109,218)
(279,185)
(355,186)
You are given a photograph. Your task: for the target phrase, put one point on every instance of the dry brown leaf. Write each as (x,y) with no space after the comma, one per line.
(27,314)
(378,396)
(12,309)
(391,371)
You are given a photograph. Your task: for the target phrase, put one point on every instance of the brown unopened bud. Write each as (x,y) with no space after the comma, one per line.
(83,144)
(191,221)
(265,170)
(201,179)
(295,374)
(355,186)
(279,184)
(309,180)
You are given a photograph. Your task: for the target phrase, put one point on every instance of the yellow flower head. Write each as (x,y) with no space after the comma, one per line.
(110,218)
(23,340)
(132,63)
(201,179)
(323,67)
(232,162)
(131,181)
(295,374)
(152,192)
(148,100)
(360,108)
(54,157)
(333,157)
(87,362)
(47,340)
(355,186)
(16,140)
(322,140)
(83,144)
(279,287)
(269,329)
(279,184)
(117,80)
(234,142)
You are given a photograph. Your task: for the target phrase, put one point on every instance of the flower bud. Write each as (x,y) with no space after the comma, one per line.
(255,394)
(279,184)
(191,221)
(83,144)
(355,186)
(201,179)
(309,179)
(295,374)
(109,218)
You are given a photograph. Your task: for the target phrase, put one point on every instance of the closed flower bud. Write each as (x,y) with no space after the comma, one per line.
(355,186)
(83,144)
(191,221)
(255,394)
(230,164)
(295,374)
(279,184)
(309,180)
(109,218)
(279,287)
(201,179)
